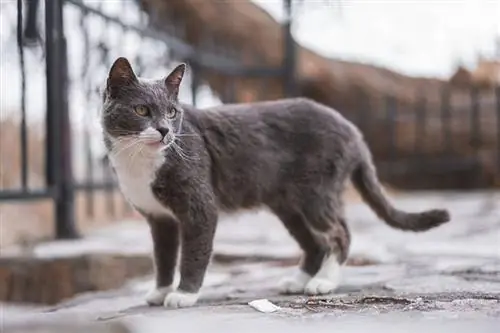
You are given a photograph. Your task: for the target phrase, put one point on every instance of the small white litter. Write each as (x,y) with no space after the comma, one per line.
(263,305)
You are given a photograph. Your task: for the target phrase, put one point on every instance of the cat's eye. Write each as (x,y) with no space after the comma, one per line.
(171,113)
(142,110)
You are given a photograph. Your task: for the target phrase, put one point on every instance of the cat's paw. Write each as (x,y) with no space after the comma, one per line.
(320,286)
(157,295)
(179,299)
(295,283)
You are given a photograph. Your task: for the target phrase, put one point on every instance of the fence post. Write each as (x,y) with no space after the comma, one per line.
(31,32)
(289,51)
(391,125)
(446,119)
(194,81)
(475,130)
(58,142)
(497,99)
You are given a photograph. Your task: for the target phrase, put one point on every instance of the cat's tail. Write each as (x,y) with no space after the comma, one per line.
(366,182)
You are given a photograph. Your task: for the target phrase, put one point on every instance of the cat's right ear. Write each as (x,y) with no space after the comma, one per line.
(120,75)
(173,80)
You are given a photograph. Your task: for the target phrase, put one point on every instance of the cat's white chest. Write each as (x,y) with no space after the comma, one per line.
(135,177)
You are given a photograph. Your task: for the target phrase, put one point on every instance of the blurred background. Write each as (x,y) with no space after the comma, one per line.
(421,79)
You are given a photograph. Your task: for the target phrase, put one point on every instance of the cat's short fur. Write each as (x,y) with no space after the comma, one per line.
(180,167)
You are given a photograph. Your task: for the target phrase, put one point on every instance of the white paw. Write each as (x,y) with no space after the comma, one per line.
(320,286)
(326,280)
(295,283)
(157,295)
(179,299)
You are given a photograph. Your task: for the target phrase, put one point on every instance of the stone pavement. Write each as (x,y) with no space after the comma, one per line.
(447,279)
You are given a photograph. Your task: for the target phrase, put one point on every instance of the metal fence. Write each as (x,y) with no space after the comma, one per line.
(71,75)
(450,140)
(74,53)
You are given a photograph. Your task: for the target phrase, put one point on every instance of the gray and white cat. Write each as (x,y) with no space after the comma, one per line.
(180,167)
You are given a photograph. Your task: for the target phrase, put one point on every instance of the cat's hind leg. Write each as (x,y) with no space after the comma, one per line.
(313,255)
(315,220)
(327,279)
(337,238)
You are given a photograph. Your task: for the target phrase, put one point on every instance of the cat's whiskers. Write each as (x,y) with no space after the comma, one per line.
(127,144)
(125,138)
(130,143)
(175,147)
(184,134)
(121,139)
(134,146)
(179,152)
(185,156)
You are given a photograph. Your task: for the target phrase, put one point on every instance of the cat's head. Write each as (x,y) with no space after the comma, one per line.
(146,112)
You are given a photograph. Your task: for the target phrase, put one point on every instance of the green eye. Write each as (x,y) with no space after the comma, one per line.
(142,110)
(171,113)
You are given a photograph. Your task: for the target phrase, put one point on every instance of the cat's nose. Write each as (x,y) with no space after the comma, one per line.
(163,131)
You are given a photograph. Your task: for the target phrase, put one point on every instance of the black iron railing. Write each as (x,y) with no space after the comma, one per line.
(61,183)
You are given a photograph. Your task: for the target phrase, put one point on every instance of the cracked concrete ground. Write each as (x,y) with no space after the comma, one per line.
(445,280)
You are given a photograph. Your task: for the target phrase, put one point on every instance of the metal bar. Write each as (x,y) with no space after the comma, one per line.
(391,118)
(94,186)
(262,90)
(420,130)
(24,140)
(58,132)
(51,167)
(475,127)
(89,195)
(474,120)
(110,195)
(51,163)
(194,83)
(90,174)
(66,224)
(429,166)
(111,202)
(50,123)
(289,52)
(14,195)
(497,95)
(362,111)
(31,33)
(445,119)
(229,95)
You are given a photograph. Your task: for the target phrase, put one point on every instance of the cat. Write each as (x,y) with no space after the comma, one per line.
(180,167)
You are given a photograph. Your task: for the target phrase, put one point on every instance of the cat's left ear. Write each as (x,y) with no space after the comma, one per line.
(173,80)
(120,75)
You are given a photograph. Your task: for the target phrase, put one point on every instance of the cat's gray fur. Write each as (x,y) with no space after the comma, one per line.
(293,156)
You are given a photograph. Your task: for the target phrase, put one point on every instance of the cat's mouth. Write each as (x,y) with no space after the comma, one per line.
(159,144)
(155,144)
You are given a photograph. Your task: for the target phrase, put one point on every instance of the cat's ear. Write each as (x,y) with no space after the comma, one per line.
(173,80)
(120,75)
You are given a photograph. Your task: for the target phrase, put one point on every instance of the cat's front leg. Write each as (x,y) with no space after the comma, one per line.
(197,224)
(165,235)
